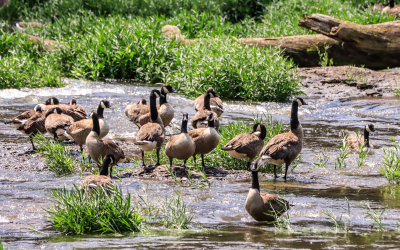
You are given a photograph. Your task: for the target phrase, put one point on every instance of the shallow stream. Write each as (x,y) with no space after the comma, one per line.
(219,217)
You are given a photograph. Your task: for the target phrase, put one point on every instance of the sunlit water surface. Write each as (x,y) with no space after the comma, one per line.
(219,217)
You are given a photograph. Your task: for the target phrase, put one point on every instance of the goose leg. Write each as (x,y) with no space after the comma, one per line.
(143,159)
(170,163)
(276,176)
(158,157)
(287,167)
(81,146)
(184,163)
(194,159)
(33,145)
(202,162)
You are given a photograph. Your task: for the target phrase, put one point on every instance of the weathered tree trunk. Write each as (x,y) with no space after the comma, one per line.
(375,46)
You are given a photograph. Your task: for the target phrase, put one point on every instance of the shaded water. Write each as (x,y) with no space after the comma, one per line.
(220,219)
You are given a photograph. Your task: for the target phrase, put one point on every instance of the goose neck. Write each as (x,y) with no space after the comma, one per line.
(96,125)
(294,119)
(254,180)
(207,99)
(184,126)
(366,138)
(100,111)
(153,108)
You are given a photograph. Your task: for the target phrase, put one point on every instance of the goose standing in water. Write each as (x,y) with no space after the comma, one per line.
(285,147)
(247,145)
(205,139)
(100,148)
(201,115)
(102,179)
(166,111)
(355,141)
(215,103)
(79,130)
(263,207)
(151,135)
(57,122)
(180,146)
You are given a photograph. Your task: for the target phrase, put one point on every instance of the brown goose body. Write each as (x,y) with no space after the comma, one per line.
(100,148)
(57,122)
(247,145)
(79,130)
(285,147)
(151,135)
(180,146)
(34,125)
(68,110)
(134,111)
(215,104)
(201,115)
(354,141)
(205,139)
(263,207)
(77,107)
(166,112)
(101,180)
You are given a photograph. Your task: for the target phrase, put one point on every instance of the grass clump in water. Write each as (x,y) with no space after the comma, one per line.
(57,158)
(391,163)
(375,215)
(81,211)
(235,71)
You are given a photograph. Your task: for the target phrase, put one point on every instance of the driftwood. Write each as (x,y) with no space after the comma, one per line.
(375,46)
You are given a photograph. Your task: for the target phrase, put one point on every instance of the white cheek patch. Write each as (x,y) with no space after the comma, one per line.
(367,128)
(52,102)
(166,90)
(102,105)
(299,102)
(258,133)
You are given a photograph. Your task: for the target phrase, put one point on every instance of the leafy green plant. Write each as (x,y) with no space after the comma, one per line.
(57,158)
(375,215)
(397,92)
(324,60)
(362,154)
(83,211)
(342,223)
(175,214)
(321,158)
(235,71)
(170,212)
(391,163)
(343,154)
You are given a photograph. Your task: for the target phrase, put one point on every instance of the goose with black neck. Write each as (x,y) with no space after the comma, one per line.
(285,147)
(151,135)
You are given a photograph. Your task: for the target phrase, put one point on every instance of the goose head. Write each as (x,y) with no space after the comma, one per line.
(52,101)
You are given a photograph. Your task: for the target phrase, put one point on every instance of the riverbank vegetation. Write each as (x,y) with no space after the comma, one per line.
(122,40)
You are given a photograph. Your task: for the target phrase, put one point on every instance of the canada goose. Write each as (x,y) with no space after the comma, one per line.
(354,141)
(147,117)
(133,111)
(202,114)
(263,207)
(67,109)
(77,107)
(34,124)
(166,111)
(101,180)
(205,139)
(57,122)
(215,103)
(151,135)
(285,147)
(180,146)
(79,130)
(247,145)
(100,148)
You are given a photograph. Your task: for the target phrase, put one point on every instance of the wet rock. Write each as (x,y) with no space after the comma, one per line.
(347,81)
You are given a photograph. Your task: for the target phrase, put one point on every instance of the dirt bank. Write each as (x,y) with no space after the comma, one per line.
(347,81)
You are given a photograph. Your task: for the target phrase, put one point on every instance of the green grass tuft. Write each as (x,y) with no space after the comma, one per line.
(391,163)
(80,211)
(56,155)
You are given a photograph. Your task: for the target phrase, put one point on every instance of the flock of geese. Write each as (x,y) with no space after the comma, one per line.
(69,121)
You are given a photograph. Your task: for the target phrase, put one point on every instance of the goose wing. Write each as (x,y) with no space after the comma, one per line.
(279,146)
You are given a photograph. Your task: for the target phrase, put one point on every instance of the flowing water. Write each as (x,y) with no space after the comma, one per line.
(219,217)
